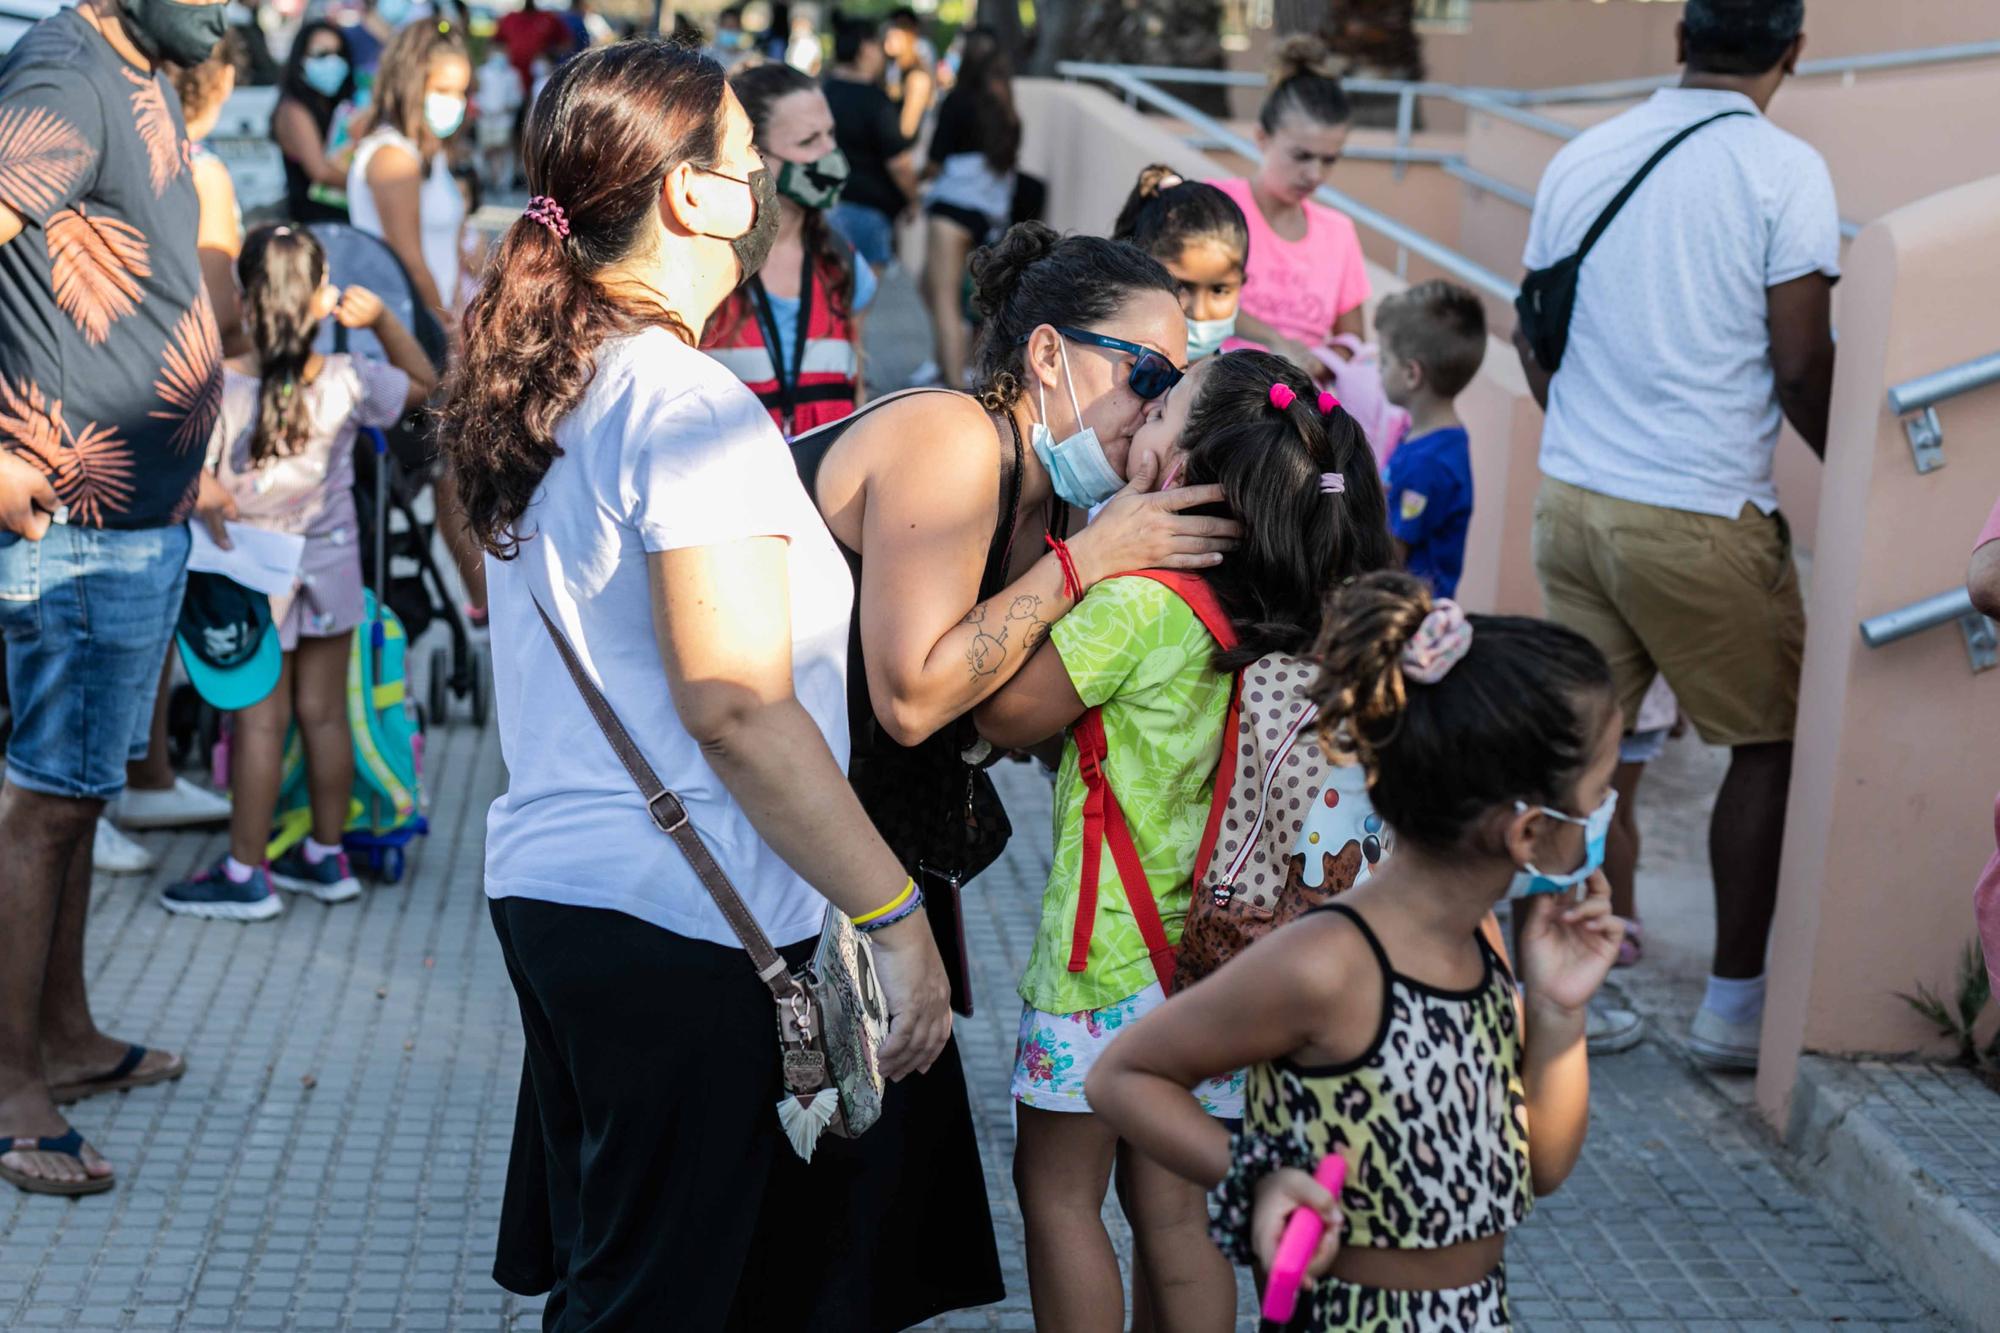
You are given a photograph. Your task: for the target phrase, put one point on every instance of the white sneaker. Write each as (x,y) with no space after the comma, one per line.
(925,376)
(1720,1044)
(112,853)
(1609,1030)
(179,805)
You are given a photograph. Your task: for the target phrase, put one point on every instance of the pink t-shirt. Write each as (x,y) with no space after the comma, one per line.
(1300,287)
(1991,531)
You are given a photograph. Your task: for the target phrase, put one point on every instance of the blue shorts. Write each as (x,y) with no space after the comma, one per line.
(870,231)
(87,614)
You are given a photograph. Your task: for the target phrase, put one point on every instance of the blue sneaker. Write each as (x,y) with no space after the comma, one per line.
(218,897)
(330,881)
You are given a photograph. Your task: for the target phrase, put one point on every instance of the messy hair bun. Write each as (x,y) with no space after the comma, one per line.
(1517,719)
(1305,80)
(1034,276)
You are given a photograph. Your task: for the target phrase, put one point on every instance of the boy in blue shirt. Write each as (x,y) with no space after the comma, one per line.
(1433,338)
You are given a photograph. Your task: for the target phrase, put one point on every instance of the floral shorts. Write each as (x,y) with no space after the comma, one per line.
(1055,1052)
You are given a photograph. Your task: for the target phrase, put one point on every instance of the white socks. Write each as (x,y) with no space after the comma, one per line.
(319,851)
(238,872)
(1734,1000)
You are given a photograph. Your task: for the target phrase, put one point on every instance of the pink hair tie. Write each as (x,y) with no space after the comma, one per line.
(549,213)
(1282,396)
(1439,644)
(1327,402)
(1332,483)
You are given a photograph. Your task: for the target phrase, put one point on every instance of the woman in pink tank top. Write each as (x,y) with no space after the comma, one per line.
(1306,280)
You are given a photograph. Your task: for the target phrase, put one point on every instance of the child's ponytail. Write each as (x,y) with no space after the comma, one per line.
(281,269)
(1510,713)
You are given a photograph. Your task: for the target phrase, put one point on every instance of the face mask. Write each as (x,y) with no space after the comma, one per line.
(392,12)
(814,184)
(324,74)
(1082,475)
(170,30)
(1206,336)
(753,247)
(1529,881)
(443,113)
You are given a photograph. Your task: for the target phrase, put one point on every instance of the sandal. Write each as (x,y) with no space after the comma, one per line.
(67,1145)
(120,1077)
(1633,947)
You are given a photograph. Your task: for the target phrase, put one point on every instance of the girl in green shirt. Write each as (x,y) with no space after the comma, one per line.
(1134,658)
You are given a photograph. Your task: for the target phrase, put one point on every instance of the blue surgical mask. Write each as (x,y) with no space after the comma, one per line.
(1529,881)
(393,12)
(443,113)
(324,73)
(1206,336)
(1077,465)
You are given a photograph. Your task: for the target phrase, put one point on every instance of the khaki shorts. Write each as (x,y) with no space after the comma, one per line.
(1710,603)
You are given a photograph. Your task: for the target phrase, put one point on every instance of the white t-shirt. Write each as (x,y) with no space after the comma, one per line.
(667,450)
(1666,394)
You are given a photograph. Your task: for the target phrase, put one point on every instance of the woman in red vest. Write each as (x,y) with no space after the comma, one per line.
(793,332)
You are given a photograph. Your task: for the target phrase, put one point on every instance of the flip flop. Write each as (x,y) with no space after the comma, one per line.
(67,1145)
(118,1078)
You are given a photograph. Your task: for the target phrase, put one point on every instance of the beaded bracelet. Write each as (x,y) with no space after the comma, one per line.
(896,913)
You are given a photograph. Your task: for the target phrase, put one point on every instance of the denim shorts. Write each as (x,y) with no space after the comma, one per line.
(870,231)
(87,614)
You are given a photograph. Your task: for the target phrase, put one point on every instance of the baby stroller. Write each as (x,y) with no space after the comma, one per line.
(397,557)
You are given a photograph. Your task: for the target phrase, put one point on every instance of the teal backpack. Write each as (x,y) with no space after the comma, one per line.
(386,810)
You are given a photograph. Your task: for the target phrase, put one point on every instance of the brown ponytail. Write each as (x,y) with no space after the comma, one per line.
(610,125)
(281,269)
(1517,719)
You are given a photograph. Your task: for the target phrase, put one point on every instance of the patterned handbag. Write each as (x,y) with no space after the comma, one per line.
(832,1018)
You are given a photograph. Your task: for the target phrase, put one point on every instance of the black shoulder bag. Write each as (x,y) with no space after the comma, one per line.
(1548,295)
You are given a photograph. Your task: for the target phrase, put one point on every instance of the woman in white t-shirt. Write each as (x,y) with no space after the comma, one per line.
(641,495)
(400,185)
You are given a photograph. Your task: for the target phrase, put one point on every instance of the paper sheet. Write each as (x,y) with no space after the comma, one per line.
(258,558)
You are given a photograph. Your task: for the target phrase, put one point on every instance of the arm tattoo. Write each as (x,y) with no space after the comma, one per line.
(988,651)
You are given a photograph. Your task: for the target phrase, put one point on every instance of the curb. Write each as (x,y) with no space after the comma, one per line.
(1937,1244)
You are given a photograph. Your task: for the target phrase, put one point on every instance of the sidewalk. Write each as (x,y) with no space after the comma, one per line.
(334,1158)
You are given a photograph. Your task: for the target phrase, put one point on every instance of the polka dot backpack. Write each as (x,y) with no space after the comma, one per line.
(1289,829)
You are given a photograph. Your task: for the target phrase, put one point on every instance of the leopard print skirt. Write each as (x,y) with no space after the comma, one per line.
(1332,1306)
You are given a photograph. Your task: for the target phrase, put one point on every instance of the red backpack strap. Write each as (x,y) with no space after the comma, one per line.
(1104,820)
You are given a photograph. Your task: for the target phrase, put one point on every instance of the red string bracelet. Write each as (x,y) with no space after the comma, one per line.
(1072,585)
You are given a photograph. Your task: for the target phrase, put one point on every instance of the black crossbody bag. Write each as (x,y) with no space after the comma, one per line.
(1548,295)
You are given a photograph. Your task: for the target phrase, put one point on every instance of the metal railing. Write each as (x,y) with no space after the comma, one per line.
(1982,644)
(1514,105)
(1916,402)
(1140,91)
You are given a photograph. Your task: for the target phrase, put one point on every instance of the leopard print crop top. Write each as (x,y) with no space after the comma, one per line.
(1432,1117)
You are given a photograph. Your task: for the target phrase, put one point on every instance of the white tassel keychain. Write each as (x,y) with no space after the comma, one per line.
(805,1120)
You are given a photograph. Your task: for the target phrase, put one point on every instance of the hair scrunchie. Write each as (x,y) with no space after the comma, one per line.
(549,213)
(1439,644)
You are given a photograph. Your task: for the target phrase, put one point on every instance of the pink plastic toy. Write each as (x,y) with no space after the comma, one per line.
(1295,1248)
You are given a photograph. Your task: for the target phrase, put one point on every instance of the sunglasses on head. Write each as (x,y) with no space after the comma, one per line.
(1152,374)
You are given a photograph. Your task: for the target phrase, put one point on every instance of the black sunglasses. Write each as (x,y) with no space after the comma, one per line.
(1152,374)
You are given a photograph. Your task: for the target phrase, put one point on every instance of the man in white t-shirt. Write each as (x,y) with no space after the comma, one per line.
(1701,322)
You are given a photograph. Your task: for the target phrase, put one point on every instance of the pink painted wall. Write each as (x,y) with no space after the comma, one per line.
(1899,747)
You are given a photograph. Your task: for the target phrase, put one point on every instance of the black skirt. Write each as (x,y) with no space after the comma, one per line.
(649,1184)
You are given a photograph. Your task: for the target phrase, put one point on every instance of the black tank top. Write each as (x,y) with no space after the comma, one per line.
(870,742)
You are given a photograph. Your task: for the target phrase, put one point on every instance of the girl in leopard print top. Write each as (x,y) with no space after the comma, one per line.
(1387,1028)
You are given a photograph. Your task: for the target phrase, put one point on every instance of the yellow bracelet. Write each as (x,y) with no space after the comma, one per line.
(909,887)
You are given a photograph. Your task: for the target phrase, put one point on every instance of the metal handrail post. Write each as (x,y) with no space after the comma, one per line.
(1916,401)
(1982,644)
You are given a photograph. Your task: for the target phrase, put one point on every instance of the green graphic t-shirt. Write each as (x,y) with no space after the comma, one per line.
(1139,651)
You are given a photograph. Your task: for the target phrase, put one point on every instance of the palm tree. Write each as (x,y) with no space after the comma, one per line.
(1379,36)
(1186,33)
